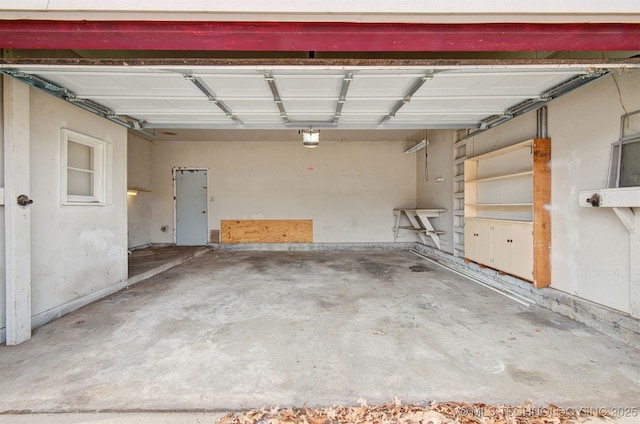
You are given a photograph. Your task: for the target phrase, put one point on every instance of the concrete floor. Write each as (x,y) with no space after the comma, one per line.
(236,330)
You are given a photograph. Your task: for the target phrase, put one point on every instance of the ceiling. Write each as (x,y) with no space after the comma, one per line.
(279,97)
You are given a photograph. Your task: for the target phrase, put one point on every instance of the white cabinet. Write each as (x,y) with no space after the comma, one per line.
(503,245)
(507,222)
(521,249)
(477,240)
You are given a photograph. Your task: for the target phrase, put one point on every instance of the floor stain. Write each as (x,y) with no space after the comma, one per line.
(420,268)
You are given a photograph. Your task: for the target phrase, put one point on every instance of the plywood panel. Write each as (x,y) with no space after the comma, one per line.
(267,231)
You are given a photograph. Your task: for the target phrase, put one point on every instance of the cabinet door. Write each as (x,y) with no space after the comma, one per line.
(483,235)
(470,240)
(501,245)
(522,250)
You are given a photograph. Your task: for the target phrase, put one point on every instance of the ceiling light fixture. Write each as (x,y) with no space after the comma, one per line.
(311,138)
(417,147)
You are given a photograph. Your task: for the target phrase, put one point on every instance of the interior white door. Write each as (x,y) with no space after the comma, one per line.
(191,207)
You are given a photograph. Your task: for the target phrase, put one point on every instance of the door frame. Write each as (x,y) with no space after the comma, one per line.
(174,171)
(16,134)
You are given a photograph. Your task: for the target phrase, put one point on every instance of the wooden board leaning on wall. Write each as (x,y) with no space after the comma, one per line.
(267,231)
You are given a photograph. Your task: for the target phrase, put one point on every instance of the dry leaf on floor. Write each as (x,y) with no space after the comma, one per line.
(434,413)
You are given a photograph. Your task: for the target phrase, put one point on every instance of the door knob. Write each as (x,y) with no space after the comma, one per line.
(23,200)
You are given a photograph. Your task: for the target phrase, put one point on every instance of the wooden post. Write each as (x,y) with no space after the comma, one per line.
(17,219)
(541,213)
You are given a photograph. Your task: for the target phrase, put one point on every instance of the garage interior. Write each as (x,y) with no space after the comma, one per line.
(300,226)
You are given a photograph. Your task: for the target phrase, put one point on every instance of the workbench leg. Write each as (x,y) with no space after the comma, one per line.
(395,229)
(424,220)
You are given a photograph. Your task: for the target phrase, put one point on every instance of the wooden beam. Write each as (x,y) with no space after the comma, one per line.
(541,213)
(614,63)
(17,219)
(316,36)
(267,231)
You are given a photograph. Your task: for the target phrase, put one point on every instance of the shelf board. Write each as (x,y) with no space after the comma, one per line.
(500,205)
(503,151)
(502,177)
(516,221)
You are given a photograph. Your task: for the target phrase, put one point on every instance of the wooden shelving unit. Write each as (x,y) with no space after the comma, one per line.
(507,221)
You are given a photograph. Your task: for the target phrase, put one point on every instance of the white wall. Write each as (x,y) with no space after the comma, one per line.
(435,162)
(590,248)
(139,155)
(76,250)
(348,188)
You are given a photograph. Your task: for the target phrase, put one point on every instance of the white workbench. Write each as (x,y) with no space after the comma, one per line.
(420,223)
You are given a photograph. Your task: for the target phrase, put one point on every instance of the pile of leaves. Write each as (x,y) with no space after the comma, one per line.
(433,413)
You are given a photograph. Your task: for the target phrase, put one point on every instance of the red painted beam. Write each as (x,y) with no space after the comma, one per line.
(315,36)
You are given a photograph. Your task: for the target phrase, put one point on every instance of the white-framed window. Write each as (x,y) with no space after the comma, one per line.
(85,169)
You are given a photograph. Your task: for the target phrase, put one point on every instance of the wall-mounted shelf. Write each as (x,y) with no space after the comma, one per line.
(502,205)
(507,226)
(624,197)
(505,176)
(504,151)
(624,201)
(420,223)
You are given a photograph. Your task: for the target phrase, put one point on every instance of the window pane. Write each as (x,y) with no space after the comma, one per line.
(79,183)
(79,156)
(631,125)
(630,165)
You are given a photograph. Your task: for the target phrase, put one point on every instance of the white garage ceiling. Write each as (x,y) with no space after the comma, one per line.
(277,97)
